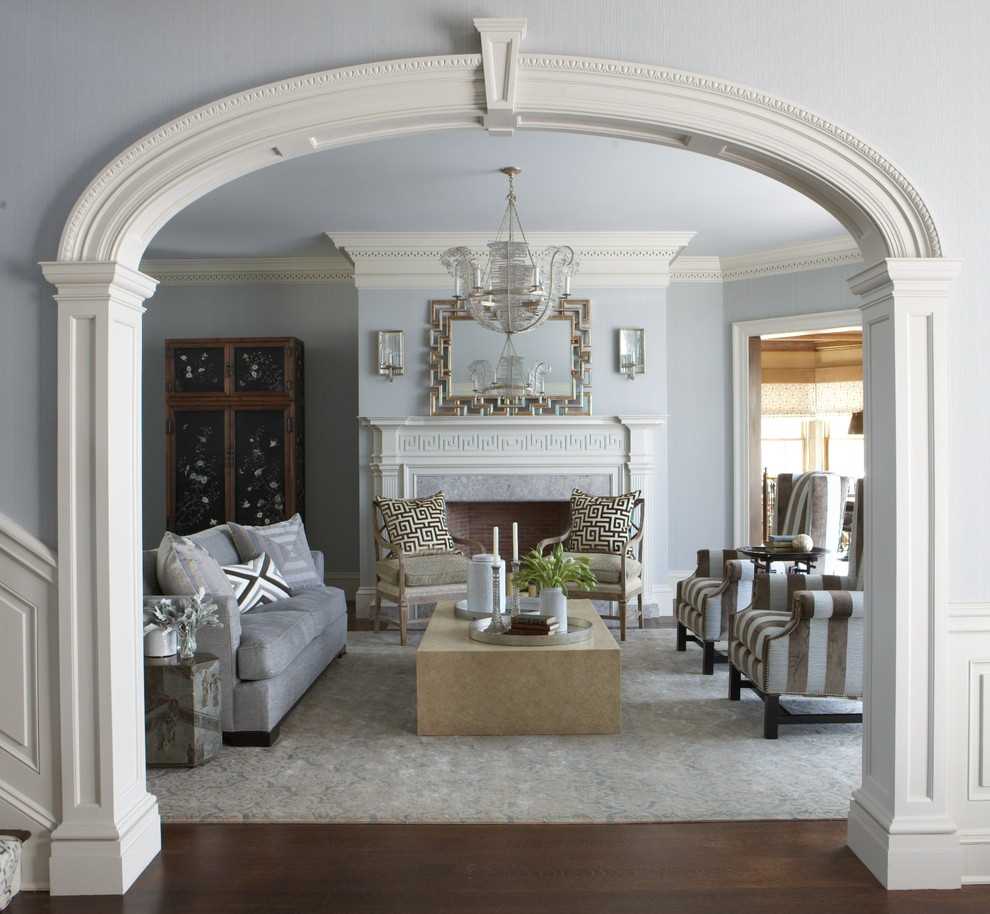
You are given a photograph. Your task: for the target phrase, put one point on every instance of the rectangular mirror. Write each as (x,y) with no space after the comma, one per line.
(555,363)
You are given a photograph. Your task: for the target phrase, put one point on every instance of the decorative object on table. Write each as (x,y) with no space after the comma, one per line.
(185,616)
(482,593)
(553,574)
(234,431)
(632,351)
(803,543)
(182,710)
(534,624)
(527,606)
(558,370)
(11,843)
(513,292)
(576,631)
(158,641)
(256,582)
(391,353)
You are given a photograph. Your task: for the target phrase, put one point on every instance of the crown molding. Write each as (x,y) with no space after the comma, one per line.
(797,258)
(411,260)
(609,260)
(193,272)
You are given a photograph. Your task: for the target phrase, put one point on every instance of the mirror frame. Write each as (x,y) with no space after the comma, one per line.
(443,402)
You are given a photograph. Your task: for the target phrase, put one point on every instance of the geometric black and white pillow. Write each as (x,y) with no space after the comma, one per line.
(256,581)
(417,524)
(600,523)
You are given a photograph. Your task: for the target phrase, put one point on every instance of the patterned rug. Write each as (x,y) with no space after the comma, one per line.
(349,753)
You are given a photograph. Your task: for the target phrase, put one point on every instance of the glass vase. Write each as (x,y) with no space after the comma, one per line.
(187,642)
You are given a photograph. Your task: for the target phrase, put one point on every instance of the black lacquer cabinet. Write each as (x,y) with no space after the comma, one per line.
(234,440)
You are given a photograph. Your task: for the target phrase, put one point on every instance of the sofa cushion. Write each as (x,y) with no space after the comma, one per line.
(426,570)
(321,607)
(256,581)
(271,640)
(218,542)
(286,543)
(417,525)
(607,567)
(185,567)
(753,627)
(600,523)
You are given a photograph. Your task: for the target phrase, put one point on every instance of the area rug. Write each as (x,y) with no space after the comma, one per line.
(349,753)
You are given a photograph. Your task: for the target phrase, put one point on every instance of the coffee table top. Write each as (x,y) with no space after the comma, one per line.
(448,633)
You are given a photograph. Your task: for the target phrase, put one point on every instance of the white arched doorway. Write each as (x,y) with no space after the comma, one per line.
(900,822)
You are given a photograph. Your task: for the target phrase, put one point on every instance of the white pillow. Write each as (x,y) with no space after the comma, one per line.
(184,567)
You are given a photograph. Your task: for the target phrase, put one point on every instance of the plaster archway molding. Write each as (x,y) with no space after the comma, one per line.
(900,822)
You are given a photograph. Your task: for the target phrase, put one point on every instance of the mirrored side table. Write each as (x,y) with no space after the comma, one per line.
(181,710)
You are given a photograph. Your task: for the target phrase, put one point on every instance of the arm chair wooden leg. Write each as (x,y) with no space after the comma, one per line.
(642,612)
(403,622)
(622,620)
(708,659)
(771,711)
(735,683)
(681,637)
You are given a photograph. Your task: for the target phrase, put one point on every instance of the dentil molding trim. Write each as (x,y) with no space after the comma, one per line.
(194,272)
(410,260)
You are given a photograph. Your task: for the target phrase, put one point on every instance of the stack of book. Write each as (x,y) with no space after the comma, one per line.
(531,624)
(780,543)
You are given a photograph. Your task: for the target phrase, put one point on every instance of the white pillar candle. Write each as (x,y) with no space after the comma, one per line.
(515,542)
(457,286)
(567,285)
(477,277)
(494,540)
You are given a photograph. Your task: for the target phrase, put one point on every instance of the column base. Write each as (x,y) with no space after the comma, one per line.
(84,865)
(915,860)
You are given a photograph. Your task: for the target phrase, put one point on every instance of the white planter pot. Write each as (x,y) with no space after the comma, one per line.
(553,602)
(160,644)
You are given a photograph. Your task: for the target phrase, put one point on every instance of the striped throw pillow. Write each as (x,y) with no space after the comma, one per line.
(286,543)
(256,581)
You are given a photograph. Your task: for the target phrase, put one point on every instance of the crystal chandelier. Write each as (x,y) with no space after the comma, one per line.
(514,291)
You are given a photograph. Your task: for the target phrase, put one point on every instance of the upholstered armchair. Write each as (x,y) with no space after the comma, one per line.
(704,602)
(812,503)
(410,569)
(803,635)
(617,562)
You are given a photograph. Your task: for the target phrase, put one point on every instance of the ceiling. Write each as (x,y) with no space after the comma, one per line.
(450,182)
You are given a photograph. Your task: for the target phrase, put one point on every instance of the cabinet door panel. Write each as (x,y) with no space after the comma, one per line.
(198,369)
(197,471)
(259,466)
(259,369)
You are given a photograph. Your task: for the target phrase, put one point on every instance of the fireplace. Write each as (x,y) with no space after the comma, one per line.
(494,470)
(537,520)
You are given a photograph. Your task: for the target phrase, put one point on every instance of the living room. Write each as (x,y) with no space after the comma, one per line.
(349,433)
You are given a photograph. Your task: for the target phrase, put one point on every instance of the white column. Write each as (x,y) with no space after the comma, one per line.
(900,823)
(109,827)
(647,471)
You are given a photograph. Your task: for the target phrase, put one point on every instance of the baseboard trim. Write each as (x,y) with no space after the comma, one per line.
(106,866)
(905,861)
(975,847)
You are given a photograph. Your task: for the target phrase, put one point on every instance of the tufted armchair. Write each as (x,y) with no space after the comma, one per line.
(802,635)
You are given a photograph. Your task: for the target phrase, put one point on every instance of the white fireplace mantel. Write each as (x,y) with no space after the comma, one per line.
(408,455)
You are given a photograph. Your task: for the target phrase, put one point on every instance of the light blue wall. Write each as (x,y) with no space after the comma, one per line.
(699,368)
(324,317)
(79,81)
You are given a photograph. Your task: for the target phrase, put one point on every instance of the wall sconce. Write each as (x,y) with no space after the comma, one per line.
(391,355)
(632,351)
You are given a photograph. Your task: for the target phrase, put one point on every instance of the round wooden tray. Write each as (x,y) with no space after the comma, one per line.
(578,630)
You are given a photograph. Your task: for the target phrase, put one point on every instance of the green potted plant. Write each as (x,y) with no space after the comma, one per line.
(552,573)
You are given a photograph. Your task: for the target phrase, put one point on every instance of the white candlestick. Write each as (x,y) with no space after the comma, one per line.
(567,285)
(515,542)
(495,541)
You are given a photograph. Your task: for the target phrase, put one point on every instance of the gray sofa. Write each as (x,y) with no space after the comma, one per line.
(270,655)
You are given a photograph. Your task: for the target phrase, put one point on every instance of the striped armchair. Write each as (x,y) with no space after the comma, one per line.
(802,635)
(704,602)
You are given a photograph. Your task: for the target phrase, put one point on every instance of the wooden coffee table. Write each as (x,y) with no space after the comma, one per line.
(467,688)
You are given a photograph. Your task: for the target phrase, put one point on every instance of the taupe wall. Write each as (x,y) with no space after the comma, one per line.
(324,317)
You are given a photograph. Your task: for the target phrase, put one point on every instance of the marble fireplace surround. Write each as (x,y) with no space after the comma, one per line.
(521,458)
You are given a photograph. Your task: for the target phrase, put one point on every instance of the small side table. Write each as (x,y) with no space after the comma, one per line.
(182,722)
(764,558)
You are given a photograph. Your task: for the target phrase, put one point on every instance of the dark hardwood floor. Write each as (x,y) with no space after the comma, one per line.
(688,868)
